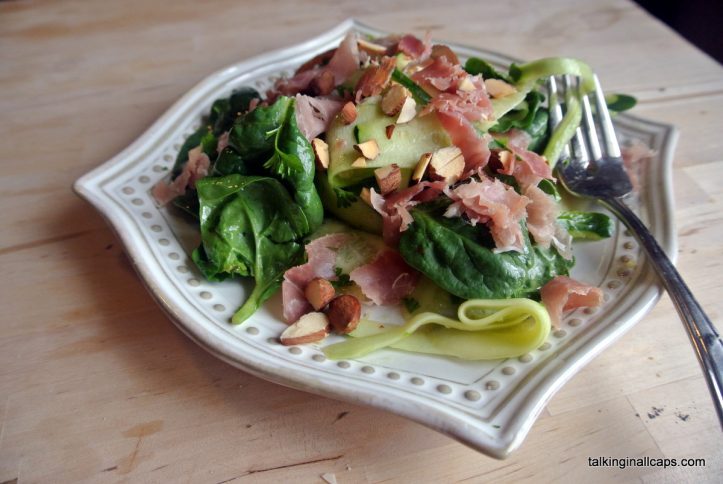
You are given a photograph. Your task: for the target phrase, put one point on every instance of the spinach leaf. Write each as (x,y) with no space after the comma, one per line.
(229,162)
(587,225)
(249,227)
(531,117)
(522,116)
(268,140)
(620,102)
(225,111)
(459,258)
(222,115)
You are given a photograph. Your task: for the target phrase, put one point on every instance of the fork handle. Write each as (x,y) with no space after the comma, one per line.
(703,335)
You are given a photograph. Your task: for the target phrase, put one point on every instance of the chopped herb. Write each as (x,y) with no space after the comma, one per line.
(410,304)
(342,279)
(344,198)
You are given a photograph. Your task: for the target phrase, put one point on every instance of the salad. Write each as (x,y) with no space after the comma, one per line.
(388,172)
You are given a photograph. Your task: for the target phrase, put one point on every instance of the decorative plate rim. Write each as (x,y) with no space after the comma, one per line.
(496,441)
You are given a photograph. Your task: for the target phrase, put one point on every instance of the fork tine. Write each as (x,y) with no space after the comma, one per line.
(590,129)
(553,104)
(606,124)
(577,143)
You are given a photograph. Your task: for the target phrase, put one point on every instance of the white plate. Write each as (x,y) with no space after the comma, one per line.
(487,405)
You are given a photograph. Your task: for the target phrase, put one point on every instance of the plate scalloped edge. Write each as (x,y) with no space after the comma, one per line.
(509,417)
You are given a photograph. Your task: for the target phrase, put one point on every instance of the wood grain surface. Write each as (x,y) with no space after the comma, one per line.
(97,385)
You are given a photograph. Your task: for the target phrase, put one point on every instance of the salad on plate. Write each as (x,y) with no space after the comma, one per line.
(387,172)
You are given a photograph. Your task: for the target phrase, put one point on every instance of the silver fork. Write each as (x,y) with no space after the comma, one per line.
(592,166)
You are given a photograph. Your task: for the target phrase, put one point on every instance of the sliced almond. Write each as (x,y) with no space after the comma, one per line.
(467,85)
(344,313)
(408,111)
(348,113)
(394,98)
(389,130)
(368,149)
(497,88)
(319,292)
(388,178)
(366,196)
(421,167)
(360,162)
(446,164)
(371,47)
(506,158)
(311,327)
(321,151)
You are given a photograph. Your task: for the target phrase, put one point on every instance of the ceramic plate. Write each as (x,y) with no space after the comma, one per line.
(489,406)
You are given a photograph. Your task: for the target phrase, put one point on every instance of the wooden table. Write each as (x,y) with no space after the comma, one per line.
(96,384)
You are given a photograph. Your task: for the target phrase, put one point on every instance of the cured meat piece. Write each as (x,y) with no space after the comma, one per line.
(195,168)
(493,203)
(542,213)
(439,75)
(565,294)
(473,145)
(394,208)
(415,48)
(315,114)
(387,279)
(527,167)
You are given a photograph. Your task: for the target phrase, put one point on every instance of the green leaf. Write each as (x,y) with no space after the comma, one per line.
(224,112)
(410,304)
(251,227)
(342,280)
(268,141)
(620,102)
(587,225)
(459,258)
(344,198)
(549,187)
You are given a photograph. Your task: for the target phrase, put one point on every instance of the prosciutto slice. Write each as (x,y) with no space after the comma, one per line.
(440,75)
(394,208)
(321,262)
(493,203)
(542,213)
(633,157)
(222,142)
(463,135)
(315,114)
(565,294)
(527,167)
(415,48)
(343,63)
(473,105)
(345,60)
(195,168)
(387,279)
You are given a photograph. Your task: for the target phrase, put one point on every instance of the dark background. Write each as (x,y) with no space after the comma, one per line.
(699,21)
